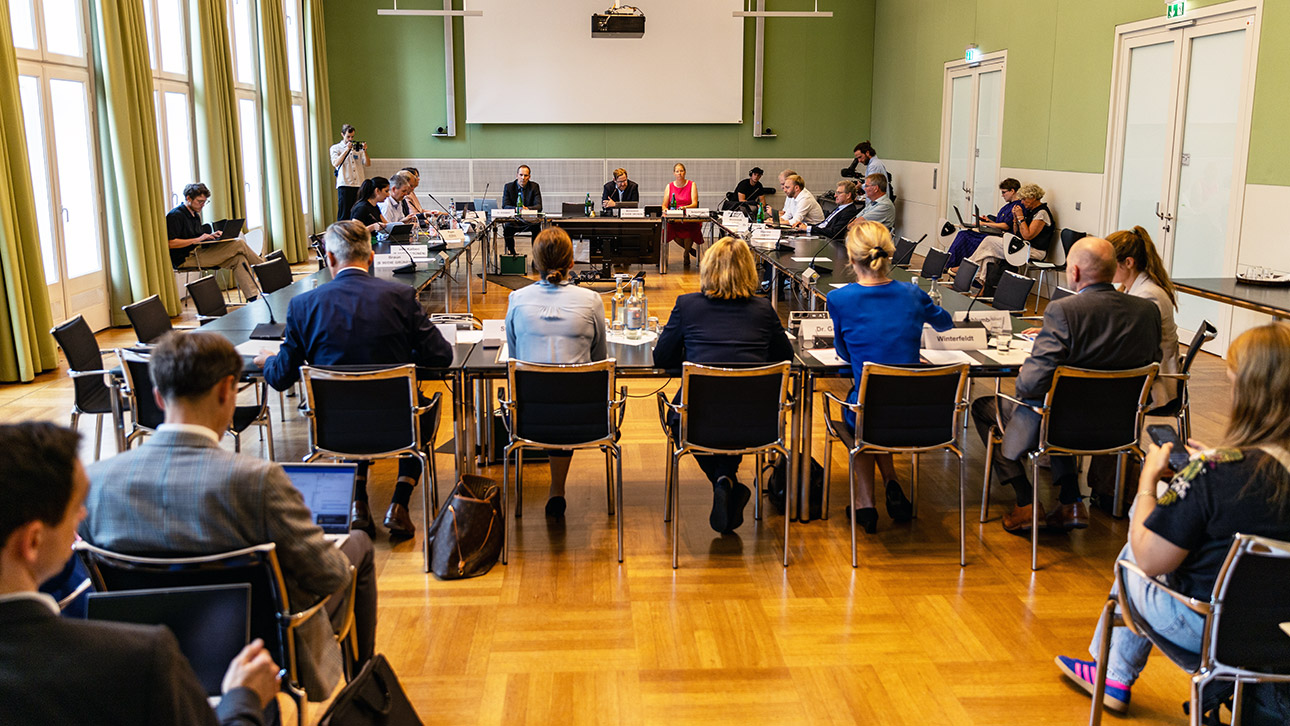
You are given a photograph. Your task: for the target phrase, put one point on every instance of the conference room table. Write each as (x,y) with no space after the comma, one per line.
(1270,300)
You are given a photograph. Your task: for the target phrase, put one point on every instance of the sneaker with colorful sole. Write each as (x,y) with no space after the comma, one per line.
(1083,673)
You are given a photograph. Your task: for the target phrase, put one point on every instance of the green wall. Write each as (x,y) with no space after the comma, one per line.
(1059,78)
(815,109)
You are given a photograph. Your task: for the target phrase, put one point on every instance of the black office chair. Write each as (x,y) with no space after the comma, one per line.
(207,298)
(564,408)
(1180,407)
(319,246)
(934,265)
(149,319)
(1060,292)
(726,411)
(1085,412)
(272,616)
(374,414)
(653,210)
(273,275)
(1012,292)
(90,392)
(1058,264)
(901,411)
(904,252)
(568,209)
(1245,634)
(963,278)
(276,255)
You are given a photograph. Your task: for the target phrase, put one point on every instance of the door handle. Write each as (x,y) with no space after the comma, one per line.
(67,216)
(1158,214)
(965,188)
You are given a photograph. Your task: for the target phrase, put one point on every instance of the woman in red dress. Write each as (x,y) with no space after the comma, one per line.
(683,194)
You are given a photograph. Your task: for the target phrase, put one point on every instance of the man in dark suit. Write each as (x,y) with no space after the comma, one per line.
(57,670)
(1098,328)
(357,319)
(180,493)
(521,194)
(619,190)
(834,226)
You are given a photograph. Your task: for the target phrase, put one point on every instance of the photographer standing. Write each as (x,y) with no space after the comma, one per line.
(347,160)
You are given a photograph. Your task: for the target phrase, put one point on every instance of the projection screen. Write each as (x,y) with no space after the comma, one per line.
(537,63)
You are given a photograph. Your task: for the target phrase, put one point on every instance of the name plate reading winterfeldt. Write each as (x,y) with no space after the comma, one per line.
(973,338)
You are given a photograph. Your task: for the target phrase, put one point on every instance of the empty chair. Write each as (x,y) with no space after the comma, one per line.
(207,298)
(149,319)
(934,265)
(273,275)
(1013,292)
(1180,406)
(1057,260)
(275,255)
(573,209)
(319,247)
(90,392)
(904,252)
(963,279)
(145,414)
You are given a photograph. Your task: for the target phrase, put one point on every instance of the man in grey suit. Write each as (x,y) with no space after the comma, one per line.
(57,670)
(1098,328)
(180,493)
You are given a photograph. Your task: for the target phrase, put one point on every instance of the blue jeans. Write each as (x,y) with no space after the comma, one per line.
(1165,615)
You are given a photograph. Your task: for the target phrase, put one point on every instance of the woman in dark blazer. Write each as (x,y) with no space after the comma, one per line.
(724,323)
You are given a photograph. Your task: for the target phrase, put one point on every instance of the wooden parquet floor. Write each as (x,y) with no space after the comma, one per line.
(566,635)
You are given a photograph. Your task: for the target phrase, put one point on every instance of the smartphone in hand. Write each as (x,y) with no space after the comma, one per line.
(1162,434)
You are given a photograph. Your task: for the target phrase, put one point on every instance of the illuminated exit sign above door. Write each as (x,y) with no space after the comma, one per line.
(1175,8)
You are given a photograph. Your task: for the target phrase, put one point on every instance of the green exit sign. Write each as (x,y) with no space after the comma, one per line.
(1175,8)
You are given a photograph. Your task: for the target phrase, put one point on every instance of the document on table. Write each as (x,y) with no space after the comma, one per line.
(253,347)
(838,284)
(945,357)
(502,354)
(827,356)
(806,259)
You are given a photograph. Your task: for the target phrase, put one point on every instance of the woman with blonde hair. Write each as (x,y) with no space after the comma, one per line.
(554,322)
(724,323)
(1183,535)
(1140,272)
(878,320)
(1031,220)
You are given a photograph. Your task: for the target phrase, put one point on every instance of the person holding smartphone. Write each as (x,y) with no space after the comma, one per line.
(1183,534)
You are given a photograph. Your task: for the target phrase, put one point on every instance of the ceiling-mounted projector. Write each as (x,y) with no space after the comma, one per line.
(618,21)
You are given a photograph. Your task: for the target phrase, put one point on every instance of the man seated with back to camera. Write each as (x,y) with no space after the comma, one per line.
(358,319)
(192,247)
(60,670)
(517,195)
(621,189)
(181,494)
(1100,328)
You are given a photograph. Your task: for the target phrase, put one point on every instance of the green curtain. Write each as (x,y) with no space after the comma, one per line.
(219,155)
(285,228)
(26,348)
(322,184)
(138,258)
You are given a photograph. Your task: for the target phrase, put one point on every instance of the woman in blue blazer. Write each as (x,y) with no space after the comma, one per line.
(724,323)
(879,320)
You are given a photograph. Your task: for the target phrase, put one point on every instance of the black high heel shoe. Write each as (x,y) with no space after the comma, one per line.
(866,518)
(899,508)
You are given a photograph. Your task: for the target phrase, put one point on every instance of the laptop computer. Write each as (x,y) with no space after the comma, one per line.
(212,623)
(464,207)
(398,234)
(229,228)
(328,489)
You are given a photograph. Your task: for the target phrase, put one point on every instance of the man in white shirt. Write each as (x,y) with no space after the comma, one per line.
(879,208)
(348,159)
(790,205)
(805,209)
(397,206)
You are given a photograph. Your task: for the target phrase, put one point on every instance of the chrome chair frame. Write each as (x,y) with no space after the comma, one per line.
(1044,446)
(1055,261)
(74,374)
(682,445)
(1209,669)
(429,478)
(131,393)
(1182,416)
(262,555)
(615,409)
(858,446)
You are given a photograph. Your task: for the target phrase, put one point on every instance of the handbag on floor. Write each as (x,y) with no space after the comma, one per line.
(374,698)
(466,536)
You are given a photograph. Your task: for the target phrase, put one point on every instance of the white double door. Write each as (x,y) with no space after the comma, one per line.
(59,127)
(972,123)
(1180,140)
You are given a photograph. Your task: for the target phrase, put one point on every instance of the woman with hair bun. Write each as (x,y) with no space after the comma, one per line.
(878,320)
(1140,272)
(367,210)
(554,322)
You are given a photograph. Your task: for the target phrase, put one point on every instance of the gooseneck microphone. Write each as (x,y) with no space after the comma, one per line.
(407,269)
(810,274)
(272,330)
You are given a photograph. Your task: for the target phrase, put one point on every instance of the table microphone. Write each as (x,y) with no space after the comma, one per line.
(272,330)
(967,321)
(810,275)
(436,201)
(407,269)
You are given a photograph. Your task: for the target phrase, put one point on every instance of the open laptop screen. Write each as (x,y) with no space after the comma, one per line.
(328,490)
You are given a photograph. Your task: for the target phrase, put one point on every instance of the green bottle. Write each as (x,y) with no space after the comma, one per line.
(761,212)
(586,206)
(671,202)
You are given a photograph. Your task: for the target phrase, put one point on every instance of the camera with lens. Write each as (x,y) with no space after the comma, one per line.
(358,145)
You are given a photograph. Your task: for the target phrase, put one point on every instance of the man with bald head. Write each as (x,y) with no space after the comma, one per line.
(1098,328)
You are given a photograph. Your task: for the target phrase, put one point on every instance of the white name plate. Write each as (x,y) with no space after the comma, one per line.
(996,320)
(454,237)
(416,252)
(385,262)
(673,212)
(698,212)
(551,215)
(973,338)
(637,213)
(503,213)
(766,235)
(811,329)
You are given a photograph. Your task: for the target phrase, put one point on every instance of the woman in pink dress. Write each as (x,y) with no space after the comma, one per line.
(683,194)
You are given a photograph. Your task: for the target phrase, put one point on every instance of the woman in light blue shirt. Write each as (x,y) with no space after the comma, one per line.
(552,321)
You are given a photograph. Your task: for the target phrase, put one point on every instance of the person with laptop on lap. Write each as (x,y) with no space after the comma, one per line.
(358,319)
(192,247)
(69,671)
(181,494)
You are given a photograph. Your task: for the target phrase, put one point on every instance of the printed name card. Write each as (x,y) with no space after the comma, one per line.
(673,212)
(552,215)
(416,252)
(972,338)
(454,237)
(766,234)
(637,213)
(503,213)
(698,212)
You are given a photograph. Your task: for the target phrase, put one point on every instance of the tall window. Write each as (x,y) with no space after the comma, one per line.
(296,81)
(167,27)
(57,98)
(242,31)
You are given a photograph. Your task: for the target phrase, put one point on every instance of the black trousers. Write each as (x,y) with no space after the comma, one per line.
(714,466)
(1010,471)
(510,229)
(357,548)
(346,198)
